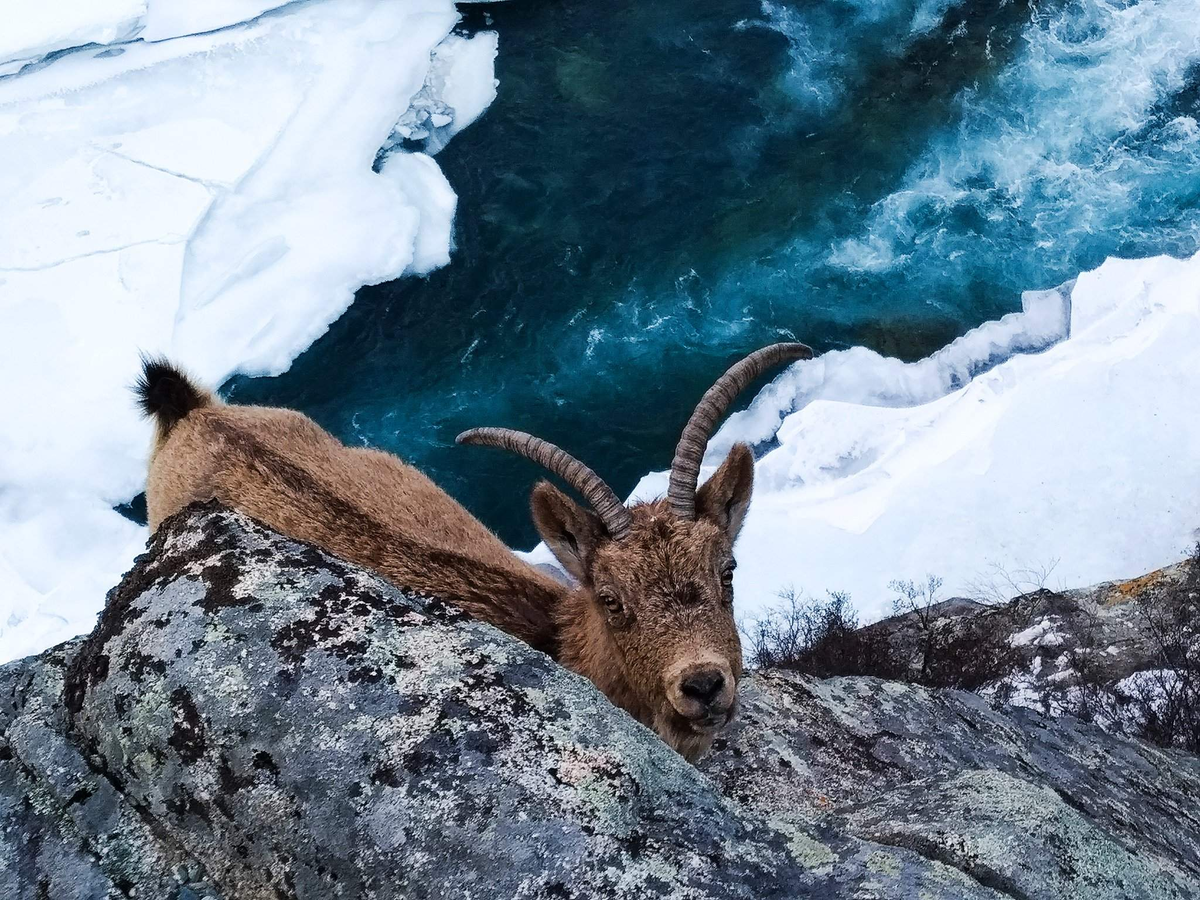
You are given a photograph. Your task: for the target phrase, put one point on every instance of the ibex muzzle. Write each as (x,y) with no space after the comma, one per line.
(703,693)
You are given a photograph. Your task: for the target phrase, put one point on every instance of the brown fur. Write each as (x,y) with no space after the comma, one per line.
(668,617)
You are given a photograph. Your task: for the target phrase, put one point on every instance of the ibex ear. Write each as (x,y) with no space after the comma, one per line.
(570,531)
(725,497)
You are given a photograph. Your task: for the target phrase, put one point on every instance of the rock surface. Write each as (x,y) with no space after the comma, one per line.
(1030,806)
(252,718)
(1104,652)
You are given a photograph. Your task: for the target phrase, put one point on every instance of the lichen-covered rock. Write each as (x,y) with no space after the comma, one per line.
(65,830)
(253,719)
(306,730)
(1023,839)
(1031,806)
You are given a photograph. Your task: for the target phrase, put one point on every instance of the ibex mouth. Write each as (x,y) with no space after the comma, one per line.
(691,738)
(709,725)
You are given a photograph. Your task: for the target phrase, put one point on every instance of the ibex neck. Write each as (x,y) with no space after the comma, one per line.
(587,648)
(516,598)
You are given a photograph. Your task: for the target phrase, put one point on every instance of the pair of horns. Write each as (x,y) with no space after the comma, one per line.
(685,468)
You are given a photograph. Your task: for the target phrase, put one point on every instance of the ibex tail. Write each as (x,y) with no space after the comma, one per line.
(166,395)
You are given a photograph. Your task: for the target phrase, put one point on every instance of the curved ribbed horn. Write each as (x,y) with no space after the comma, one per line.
(603,500)
(685,468)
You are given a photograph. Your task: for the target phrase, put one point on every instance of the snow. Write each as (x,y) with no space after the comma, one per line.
(1146,695)
(1083,453)
(172,18)
(211,197)
(1042,633)
(34,28)
(1150,685)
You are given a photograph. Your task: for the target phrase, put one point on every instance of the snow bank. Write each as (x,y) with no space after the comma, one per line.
(1081,457)
(211,197)
(172,18)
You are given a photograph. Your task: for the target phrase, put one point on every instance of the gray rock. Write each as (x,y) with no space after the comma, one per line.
(305,730)
(253,719)
(65,830)
(1031,806)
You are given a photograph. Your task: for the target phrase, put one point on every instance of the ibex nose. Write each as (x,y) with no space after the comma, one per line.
(703,686)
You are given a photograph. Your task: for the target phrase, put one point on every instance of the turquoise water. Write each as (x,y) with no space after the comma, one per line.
(660,187)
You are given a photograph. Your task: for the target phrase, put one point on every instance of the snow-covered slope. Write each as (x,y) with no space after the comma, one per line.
(209,196)
(1080,459)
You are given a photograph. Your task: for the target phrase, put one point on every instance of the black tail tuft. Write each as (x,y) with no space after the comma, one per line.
(166,394)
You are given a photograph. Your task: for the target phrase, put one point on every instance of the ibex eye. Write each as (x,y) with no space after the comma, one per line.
(727,573)
(611,603)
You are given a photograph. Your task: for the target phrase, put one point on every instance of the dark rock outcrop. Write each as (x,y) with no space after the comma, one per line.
(253,719)
(1125,655)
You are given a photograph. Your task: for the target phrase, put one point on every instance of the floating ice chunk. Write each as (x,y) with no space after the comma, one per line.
(225,226)
(458,88)
(874,470)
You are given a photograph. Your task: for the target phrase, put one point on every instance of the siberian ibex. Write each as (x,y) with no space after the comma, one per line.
(650,621)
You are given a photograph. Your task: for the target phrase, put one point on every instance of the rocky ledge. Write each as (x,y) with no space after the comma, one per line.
(254,719)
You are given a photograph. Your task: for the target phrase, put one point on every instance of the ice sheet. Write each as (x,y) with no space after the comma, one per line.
(211,197)
(33,28)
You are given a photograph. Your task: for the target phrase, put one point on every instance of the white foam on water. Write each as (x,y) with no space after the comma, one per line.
(1072,139)
(211,197)
(827,43)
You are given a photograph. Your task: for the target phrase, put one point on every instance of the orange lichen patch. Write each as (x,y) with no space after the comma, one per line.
(1128,590)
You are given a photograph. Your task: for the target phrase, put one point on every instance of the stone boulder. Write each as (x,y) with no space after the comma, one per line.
(254,719)
(1031,806)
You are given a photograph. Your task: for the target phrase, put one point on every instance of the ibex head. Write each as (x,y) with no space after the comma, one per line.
(653,621)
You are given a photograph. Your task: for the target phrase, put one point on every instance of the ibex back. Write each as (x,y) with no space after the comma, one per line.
(650,618)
